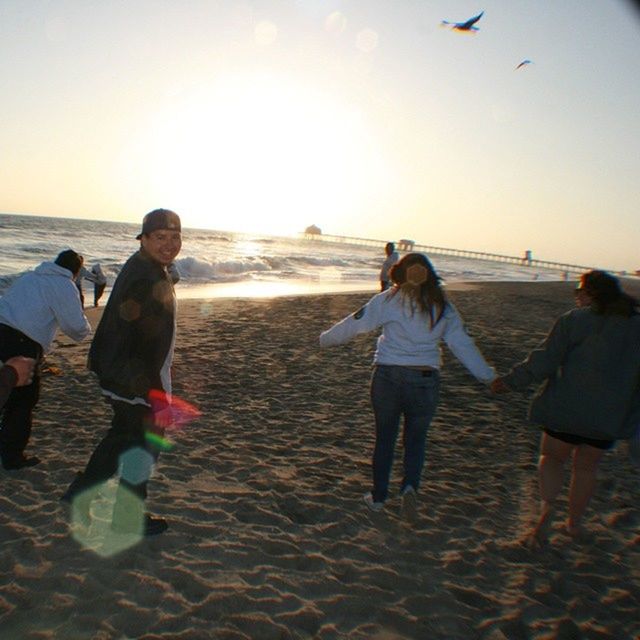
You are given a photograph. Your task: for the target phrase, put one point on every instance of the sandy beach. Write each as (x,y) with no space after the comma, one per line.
(269,537)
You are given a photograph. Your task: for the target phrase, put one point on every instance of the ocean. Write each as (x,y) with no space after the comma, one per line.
(226,264)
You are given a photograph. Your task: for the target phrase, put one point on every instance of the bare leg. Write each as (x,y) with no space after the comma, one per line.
(583,483)
(553,455)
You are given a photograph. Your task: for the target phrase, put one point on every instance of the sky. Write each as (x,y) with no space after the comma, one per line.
(367,118)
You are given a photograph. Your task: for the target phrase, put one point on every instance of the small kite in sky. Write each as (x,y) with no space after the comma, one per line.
(522,64)
(469,25)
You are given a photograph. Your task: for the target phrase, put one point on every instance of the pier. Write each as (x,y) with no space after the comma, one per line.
(525,260)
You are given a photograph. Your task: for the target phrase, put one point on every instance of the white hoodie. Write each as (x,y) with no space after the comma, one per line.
(41,301)
(407,339)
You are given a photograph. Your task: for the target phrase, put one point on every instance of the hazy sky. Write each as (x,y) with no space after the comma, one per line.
(365,117)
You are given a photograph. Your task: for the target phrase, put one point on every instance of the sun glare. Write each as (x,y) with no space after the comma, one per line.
(261,155)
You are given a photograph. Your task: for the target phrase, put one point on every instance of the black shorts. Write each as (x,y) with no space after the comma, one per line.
(571,438)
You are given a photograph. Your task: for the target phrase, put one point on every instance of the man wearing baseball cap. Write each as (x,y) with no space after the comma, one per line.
(131,354)
(159,219)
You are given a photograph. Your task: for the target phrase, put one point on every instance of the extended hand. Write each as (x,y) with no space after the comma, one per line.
(24,368)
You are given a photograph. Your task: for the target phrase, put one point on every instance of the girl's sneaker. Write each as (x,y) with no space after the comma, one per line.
(374,506)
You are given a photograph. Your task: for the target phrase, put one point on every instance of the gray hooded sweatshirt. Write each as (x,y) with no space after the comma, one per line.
(590,366)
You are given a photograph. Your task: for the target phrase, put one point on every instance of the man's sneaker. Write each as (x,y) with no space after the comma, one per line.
(22,462)
(374,506)
(150,527)
(409,509)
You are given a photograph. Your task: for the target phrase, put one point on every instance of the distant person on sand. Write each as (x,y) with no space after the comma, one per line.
(389,261)
(590,364)
(97,277)
(15,372)
(31,311)
(99,280)
(83,274)
(415,317)
(131,354)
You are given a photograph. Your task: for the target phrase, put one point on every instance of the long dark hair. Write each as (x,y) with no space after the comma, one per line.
(416,280)
(607,297)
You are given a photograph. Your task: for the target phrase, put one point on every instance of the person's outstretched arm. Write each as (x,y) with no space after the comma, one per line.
(366,319)
(544,360)
(69,314)
(464,348)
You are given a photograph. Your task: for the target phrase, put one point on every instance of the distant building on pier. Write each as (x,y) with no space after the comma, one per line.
(405,245)
(313,231)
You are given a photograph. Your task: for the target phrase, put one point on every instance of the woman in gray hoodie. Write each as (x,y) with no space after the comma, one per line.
(590,366)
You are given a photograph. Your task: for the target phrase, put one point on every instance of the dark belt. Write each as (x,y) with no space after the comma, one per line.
(426,373)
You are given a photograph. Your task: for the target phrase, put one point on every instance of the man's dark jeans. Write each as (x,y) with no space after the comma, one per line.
(127,432)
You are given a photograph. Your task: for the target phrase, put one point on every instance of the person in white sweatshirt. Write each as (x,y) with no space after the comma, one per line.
(415,317)
(31,311)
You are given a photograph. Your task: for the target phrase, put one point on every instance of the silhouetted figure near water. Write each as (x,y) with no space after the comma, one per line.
(99,280)
(389,261)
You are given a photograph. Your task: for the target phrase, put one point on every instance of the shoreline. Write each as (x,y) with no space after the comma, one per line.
(259,290)
(268,536)
(300,287)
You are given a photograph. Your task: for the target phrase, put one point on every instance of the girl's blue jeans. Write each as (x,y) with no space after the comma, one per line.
(401,392)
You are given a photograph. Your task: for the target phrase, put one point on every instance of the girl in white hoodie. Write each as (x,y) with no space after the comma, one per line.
(415,317)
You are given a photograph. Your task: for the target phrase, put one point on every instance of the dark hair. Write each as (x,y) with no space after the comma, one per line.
(416,280)
(390,247)
(71,260)
(607,297)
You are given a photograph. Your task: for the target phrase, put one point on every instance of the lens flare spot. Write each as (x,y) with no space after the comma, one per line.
(182,412)
(129,310)
(92,519)
(136,465)
(160,292)
(367,40)
(335,23)
(159,442)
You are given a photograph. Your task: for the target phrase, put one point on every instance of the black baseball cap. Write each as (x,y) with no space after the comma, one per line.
(159,219)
